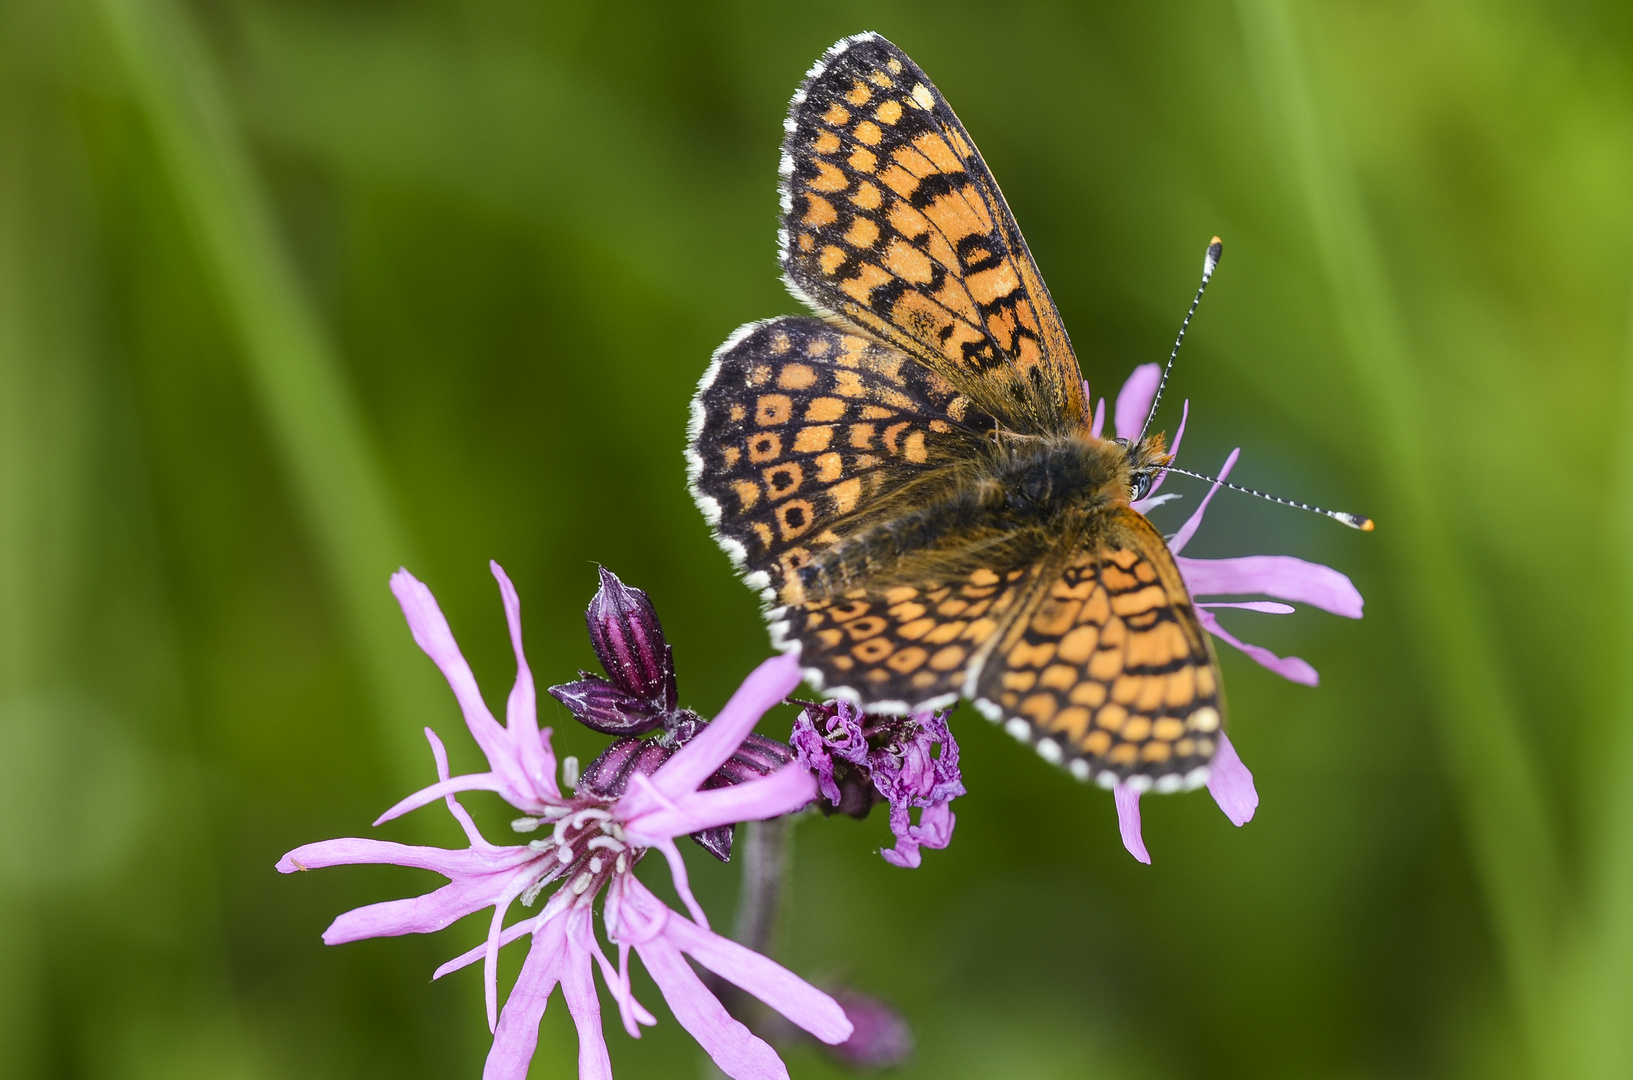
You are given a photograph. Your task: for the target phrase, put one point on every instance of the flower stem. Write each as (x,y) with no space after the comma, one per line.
(765,868)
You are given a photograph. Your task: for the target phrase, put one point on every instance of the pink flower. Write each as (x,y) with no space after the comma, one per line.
(1280,576)
(590,846)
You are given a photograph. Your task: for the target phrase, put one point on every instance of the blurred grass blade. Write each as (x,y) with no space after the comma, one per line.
(1492,768)
(1603,988)
(292,368)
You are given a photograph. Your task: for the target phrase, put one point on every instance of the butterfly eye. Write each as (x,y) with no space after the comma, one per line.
(1138,486)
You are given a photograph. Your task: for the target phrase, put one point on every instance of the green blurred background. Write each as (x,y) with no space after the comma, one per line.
(294,292)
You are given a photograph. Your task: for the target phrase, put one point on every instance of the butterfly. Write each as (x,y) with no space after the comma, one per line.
(909,478)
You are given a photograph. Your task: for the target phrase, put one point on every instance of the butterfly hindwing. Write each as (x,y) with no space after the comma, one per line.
(1108,672)
(801,431)
(906,647)
(892,220)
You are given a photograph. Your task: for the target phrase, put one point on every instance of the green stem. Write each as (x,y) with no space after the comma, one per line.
(292,368)
(1491,767)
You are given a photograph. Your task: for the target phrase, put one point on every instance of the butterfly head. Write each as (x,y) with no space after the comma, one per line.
(1145,460)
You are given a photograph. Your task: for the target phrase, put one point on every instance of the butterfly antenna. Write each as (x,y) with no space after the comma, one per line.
(1216,248)
(1354,521)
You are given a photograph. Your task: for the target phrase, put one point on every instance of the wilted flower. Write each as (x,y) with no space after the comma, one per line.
(639,696)
(859,759)
(1281,576)
(590,843)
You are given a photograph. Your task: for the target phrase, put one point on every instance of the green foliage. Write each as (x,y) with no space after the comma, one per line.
(294,293)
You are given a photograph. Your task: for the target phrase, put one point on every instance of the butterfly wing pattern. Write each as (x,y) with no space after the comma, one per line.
(801,429)
(891,219)
(1110,666)
(842,459)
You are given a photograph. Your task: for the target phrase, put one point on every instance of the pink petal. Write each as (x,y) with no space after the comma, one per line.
(1179,437)
(1291,668)
(440,754)
(782,792)
(449,862)
(578,988)
(1099,418)
(448,786)
(1128,821)
(738,1052)
(765,686)
(1134,400)
(682,883)
(472,955)
(1281,576)
(517,1035)
(432,634)
(428,913)
(1231,785)
(1266,607)
(773,984)
(521,710)
(904,855)
(1194,522)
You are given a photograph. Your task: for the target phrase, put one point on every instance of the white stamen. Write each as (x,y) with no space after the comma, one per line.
(589,813)
(526,824)
(595,864)
(622,864)
(604,841)
(542,845)
(581,882)
(569,772)
(565,855)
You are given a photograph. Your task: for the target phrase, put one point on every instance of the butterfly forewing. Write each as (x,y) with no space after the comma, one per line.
(892,220)
(1108,670)
(804,433)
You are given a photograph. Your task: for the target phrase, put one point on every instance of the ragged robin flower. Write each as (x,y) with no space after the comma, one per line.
(1281,577)
(587,845)
(638,701)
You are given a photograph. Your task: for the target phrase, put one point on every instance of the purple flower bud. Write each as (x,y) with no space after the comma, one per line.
(628,640)
(880,1037)
(601,706)
(609,775)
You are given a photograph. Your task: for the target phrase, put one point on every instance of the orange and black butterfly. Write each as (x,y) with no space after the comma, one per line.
(909,478)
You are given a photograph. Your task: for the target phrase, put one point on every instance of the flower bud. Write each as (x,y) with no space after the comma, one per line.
(629,642)
(601,706)
(880,1037)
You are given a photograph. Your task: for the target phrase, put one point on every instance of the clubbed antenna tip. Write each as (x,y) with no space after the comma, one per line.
(1216,248)
(1354,521)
